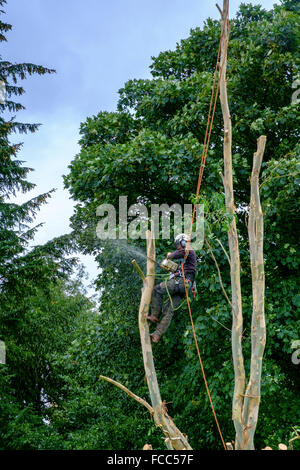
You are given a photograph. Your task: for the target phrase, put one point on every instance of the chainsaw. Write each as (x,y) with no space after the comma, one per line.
(169,265)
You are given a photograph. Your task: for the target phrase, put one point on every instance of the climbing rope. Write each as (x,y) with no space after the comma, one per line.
(209,125)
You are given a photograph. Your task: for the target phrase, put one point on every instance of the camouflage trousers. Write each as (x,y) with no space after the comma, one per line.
(175,287)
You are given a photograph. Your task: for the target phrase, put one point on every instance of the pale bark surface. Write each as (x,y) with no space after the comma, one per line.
(174,438)
(258,327)
(237,316)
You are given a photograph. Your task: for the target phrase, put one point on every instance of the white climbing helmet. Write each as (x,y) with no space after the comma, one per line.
(181,239)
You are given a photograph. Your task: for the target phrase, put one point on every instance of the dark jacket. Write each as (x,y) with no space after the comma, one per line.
(190,263)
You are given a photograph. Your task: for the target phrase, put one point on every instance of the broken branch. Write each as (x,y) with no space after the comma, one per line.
(131,394)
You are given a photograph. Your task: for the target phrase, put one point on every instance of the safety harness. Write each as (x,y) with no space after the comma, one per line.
(179,273)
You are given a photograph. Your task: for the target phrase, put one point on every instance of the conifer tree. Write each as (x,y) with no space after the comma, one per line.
(27,273)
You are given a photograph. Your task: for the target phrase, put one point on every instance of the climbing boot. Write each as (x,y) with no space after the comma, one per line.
(155,337)
(152,318)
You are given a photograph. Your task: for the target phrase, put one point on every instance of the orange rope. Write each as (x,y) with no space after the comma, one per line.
(210,120)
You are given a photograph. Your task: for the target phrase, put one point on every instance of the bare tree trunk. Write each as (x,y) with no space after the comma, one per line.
(174,438)
(258,328)
(237,316)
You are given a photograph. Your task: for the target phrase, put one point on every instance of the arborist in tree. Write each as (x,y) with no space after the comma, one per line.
(174,287)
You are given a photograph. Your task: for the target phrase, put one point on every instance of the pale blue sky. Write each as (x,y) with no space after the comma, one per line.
(95,47)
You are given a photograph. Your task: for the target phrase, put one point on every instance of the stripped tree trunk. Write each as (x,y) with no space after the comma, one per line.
(245,403)
(237,316)
(174,438)
(258,328)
